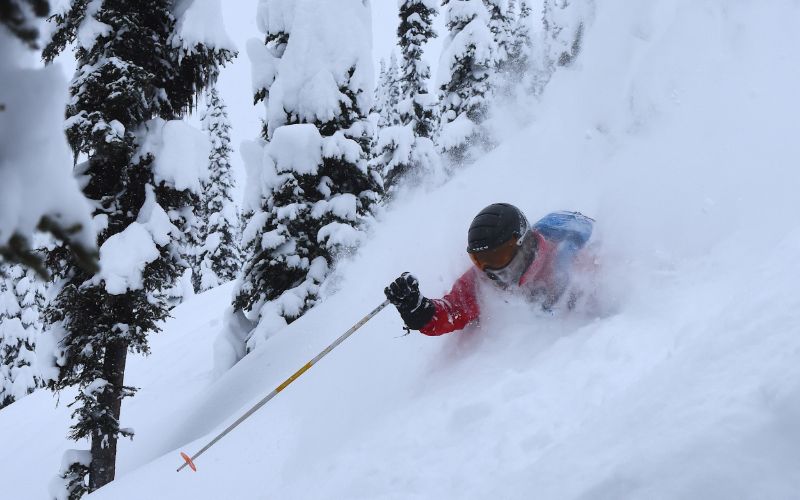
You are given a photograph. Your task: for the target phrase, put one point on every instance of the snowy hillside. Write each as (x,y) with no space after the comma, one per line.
(676,130)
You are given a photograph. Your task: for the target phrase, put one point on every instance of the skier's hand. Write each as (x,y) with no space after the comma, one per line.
(415,309)
(404,293)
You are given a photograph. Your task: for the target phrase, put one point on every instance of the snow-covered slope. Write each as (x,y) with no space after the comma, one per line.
(676,131)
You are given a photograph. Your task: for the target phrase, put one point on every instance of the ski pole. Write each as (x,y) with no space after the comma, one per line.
(190,460)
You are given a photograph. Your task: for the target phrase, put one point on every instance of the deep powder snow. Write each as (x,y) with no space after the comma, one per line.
(675,130)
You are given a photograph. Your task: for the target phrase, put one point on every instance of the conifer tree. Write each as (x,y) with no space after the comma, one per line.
(564,22)
(258,218)
(311,190)
(500,26)
(406,150)
(414,31)
(467,62)
(75,466)
(218,257)
(380,96)
(387,93)
(393,89)
(138,73)
(388,117)
(521,47)
(21,301)
(377,114)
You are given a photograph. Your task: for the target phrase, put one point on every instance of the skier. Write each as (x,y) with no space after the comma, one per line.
(536,261)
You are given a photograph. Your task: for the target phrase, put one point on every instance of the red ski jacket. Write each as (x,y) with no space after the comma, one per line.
(545,279)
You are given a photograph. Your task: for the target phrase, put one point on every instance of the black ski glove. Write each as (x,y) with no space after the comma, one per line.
(415,309)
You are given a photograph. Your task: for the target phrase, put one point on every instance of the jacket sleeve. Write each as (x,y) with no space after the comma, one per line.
(457,309)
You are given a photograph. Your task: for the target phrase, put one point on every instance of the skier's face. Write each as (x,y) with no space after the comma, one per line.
(496,258)
(511,273)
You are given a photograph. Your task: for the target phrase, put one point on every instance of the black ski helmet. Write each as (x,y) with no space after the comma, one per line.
(495,225)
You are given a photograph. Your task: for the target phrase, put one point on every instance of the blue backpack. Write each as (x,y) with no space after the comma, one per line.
(572,227)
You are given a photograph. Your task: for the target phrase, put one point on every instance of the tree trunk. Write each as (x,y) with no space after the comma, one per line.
(104,445)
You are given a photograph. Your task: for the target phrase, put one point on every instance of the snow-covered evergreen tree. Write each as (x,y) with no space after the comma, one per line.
(69,484)
(387,93)
(500,25)
(21,302)
(465,90)
(37,190)
(564,22)
(217,257)
(406,151)
(522,45)
(519,67)
(140,67)
(310,189)
(381,97)
(391,156)
(385,107)
(393,89)
(414,31)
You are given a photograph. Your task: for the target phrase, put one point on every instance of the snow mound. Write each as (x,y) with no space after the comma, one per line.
(200,23)
(123,257)
(296,148)
(181,153)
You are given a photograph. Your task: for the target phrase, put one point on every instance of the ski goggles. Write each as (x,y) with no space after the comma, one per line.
(497,258)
